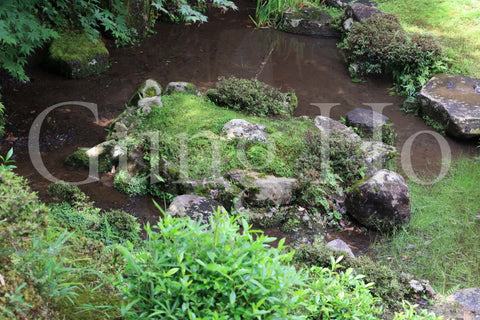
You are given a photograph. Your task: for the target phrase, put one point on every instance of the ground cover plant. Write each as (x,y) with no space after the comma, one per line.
(442,241)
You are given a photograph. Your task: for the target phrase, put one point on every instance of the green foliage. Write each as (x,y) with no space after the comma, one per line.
(28,24)
(379,44)
(20,210)
(6,163)
(389,284)
(252,97)
(437,126)
(64,192)
(411,312)
(209,272)
(21,32)
(45,264)
(341,294)
(76,212)
(132,186)
(271,12)
(443,234)
(189,11)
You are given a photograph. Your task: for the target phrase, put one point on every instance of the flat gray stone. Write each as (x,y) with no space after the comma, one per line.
(263,190)
(452,101)
(180,86)
(193,206)
(369,122)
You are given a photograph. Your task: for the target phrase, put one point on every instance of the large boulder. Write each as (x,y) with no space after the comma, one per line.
(381,201)
(462,304)
(309,21)
(453,101)
(239,128)
(329,126)
(370,123)
(184,87)
(76,56)
(263,190)
(193,206)
(357,12)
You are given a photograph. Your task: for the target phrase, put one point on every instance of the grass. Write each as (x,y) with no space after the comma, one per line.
(456,23)
(442,242)
(197,123)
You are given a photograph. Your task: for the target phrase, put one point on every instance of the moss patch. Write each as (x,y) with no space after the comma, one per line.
(77,56)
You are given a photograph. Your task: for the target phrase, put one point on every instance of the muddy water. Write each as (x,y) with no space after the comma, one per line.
(227,45)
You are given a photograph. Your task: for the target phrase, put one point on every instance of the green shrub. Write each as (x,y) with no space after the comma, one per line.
(339,294)
(253,97)
(389,284)
(119,225)
(20,210)
(64,192)
(380,45)
(113,226)
(212,271)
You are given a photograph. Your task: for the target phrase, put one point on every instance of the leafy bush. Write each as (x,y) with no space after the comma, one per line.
(64,192)
(113,226)
(20,210)
(212,271)
(389,286)
(341,294)
(379,44)
(253,97)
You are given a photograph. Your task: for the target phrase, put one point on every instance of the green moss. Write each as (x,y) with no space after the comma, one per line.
(79,159)
(77,56)
(194,123)
(151,92)
(75,46)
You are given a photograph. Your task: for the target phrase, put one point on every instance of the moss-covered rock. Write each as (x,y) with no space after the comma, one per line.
(77,56)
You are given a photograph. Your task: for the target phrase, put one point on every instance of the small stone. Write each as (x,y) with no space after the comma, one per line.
(239,128)
(416,285)
(340,245)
